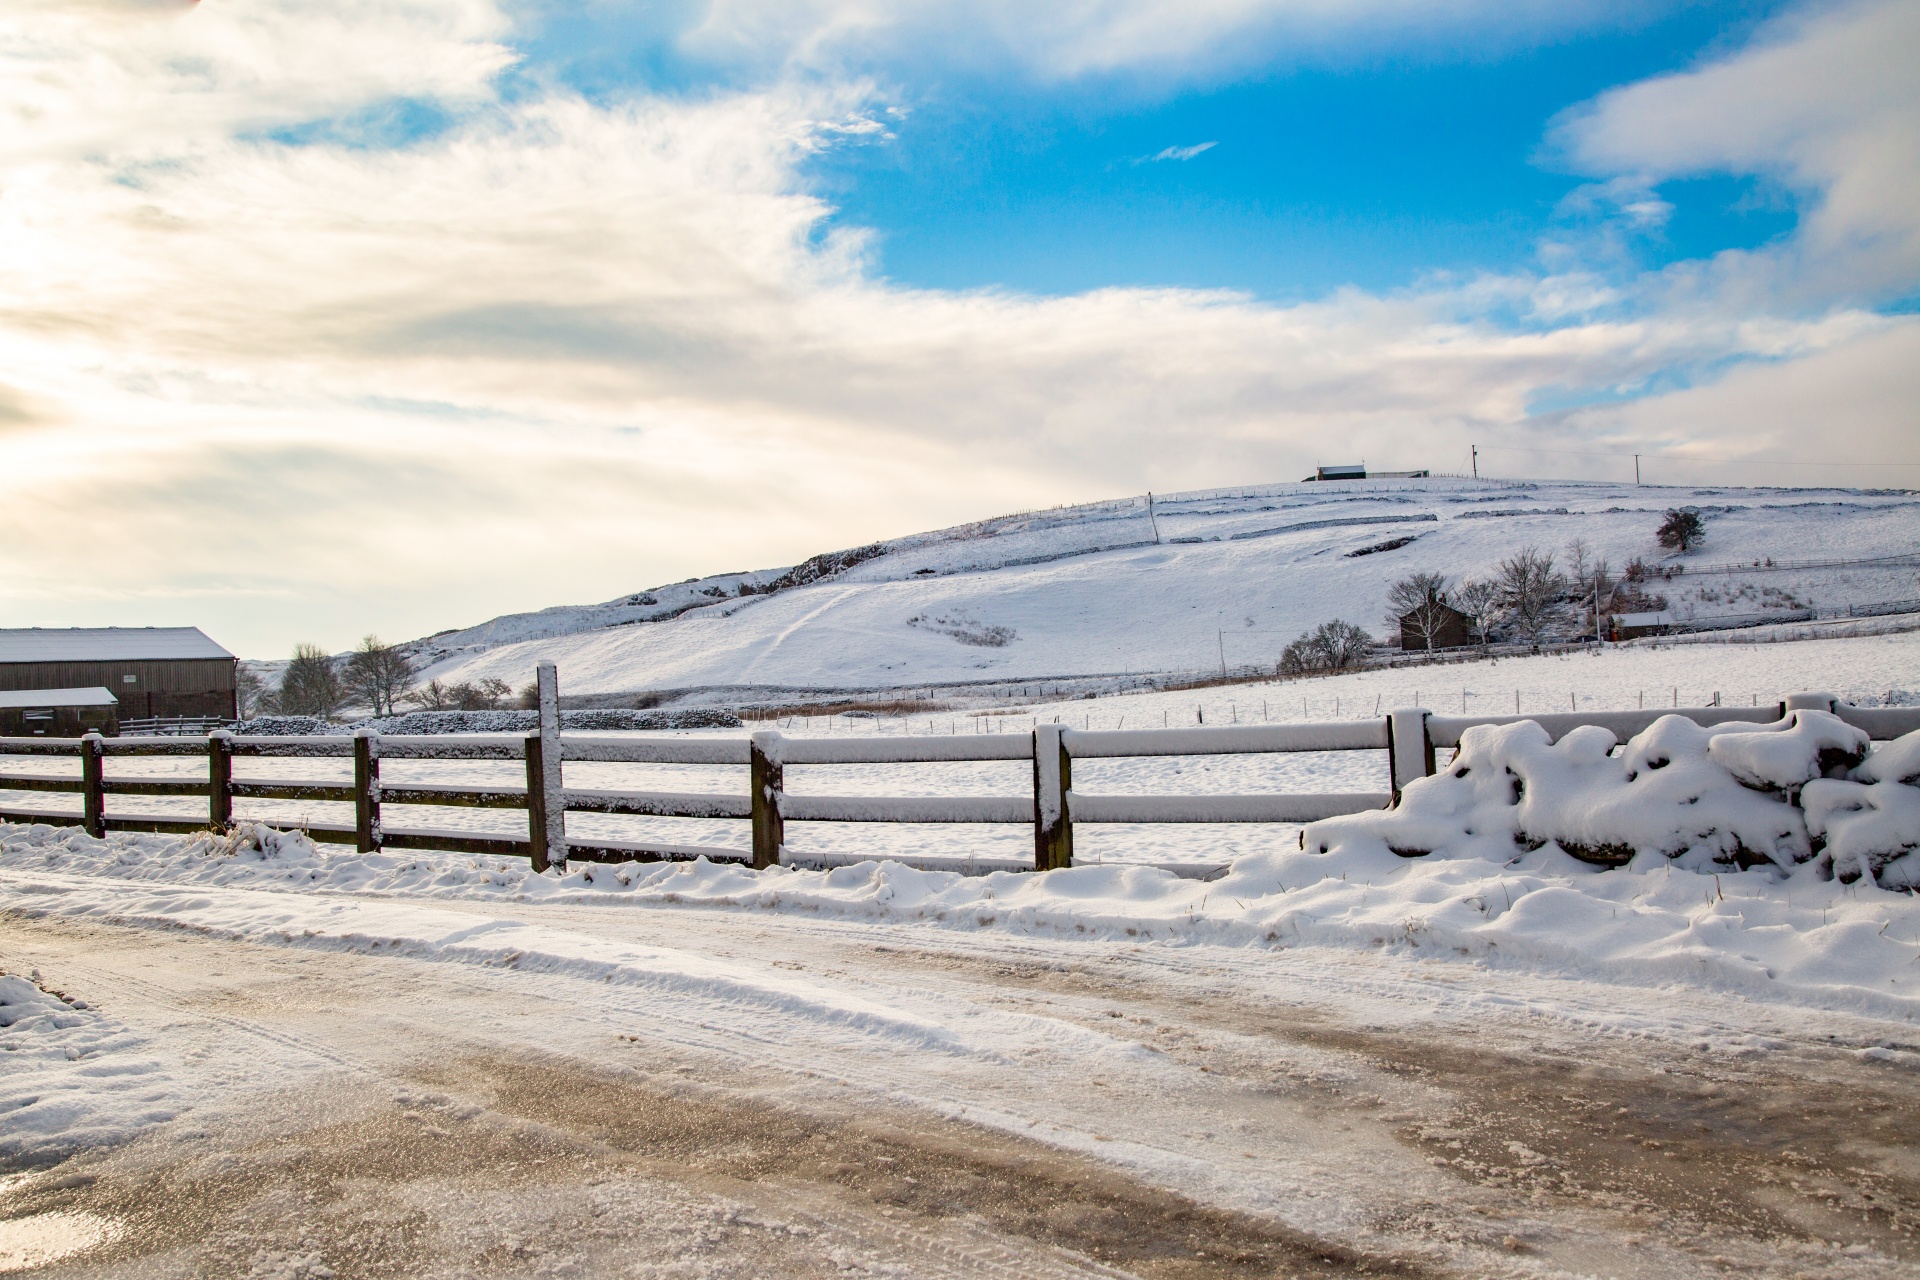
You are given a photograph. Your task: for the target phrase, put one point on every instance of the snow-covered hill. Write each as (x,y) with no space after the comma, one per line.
(1186,582)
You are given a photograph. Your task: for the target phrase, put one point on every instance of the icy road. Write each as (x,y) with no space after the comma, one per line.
(675,1091)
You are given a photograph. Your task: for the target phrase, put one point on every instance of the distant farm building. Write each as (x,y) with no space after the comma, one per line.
(1358,471)
(1455,630)
(1631,626)
(58,713)
(146,671)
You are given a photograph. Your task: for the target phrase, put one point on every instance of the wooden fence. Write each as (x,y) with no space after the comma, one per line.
(1052,809)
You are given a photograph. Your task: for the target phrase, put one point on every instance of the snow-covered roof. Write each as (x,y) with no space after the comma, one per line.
(105,644)
(95,697)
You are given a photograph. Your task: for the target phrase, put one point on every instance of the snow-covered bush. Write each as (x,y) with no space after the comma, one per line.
(1870,822)
(1706,797)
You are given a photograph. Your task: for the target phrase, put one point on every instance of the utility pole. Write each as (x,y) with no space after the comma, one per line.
(1151,520)
(1636,471)
(1221,636)
(1476,462)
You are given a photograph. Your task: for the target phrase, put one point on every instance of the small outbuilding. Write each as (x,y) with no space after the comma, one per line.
(149,671)
(1631,626)
(58,713)
(1454,629)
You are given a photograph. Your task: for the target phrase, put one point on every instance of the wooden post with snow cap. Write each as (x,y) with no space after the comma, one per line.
(544,774)
(366,790)
(93,786)
(219,779)
(1810,702)
(1052,781)
(1409,749)
(767,777)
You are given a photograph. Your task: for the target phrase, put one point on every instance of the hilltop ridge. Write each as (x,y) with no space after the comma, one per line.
(1179,582)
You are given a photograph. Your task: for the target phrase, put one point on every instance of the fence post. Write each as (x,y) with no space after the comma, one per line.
(219,780)
(366,790)
(766,775)
(553,796)
(1409,749)
(1810,702)
(1052,781)
(93,786)
(536,804)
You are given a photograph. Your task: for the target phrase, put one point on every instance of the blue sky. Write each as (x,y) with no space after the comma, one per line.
(1370,173)
(1367,167)
(527,302)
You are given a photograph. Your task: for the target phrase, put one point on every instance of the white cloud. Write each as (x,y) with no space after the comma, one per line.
(1177,37)
(1826,101)
(564,349)
(1181,153)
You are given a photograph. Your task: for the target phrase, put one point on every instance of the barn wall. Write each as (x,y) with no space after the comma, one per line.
(68,722)
(160,687)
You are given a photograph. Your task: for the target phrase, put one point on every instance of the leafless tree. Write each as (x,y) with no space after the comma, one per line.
(480,695)
(249,692)
(1532,593)
(1579,555)
(433,696)
(1332,646)
(379,673)
(311,685)
(1417,604)
(1479,599)
(484,695)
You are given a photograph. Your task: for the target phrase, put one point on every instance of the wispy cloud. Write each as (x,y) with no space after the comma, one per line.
(1177,153)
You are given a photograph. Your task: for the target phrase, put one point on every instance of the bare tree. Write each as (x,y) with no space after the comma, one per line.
(1532,593)
(379,673)
(433,696)
(311,686)
(249,693)
(1332,646)
(482,695)
(1479,600)
(1579,555)
(1417,605)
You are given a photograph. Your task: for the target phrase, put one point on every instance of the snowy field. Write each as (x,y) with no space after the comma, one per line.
(1205,580)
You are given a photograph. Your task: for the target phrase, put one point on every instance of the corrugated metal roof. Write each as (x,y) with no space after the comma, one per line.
(105,644)
(56,698)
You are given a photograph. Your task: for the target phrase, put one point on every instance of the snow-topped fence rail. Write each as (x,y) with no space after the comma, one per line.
(1053,808)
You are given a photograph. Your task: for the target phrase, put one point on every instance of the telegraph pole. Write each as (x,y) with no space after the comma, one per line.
(1476,462)
(1636,471)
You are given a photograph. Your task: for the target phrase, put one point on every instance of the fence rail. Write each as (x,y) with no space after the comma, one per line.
(1052,808)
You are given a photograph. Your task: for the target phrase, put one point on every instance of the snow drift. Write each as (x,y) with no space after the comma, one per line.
(1734,795)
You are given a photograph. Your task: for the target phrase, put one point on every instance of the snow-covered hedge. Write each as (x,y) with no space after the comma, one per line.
(498,722)
(1737,795)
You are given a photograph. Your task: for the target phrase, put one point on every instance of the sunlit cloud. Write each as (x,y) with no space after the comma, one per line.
(558,348)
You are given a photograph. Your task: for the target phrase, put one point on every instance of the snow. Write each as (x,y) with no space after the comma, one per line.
(1686,906)
(1680,791)
(70,1077)
(1232,577)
